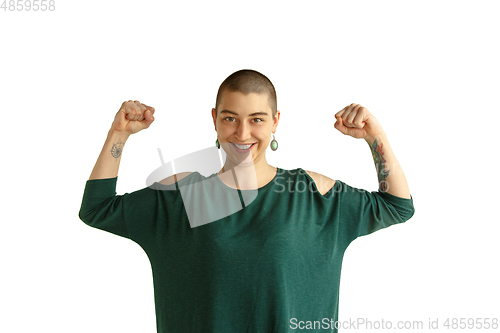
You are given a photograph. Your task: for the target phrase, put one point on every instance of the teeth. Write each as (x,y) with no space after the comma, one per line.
(242,146)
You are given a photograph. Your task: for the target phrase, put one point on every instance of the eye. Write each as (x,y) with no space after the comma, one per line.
(259,120)
(229,118)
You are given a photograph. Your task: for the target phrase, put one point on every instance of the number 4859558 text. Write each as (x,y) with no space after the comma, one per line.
(27,5)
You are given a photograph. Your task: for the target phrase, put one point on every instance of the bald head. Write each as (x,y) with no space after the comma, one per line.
(248,81)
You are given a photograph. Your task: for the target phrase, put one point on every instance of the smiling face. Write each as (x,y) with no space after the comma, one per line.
(245,119)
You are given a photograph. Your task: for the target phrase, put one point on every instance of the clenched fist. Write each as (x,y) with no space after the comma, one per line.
(355,120)
(133,117)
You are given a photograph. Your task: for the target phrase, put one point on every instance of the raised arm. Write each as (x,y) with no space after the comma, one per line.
(356,121)
(132,117)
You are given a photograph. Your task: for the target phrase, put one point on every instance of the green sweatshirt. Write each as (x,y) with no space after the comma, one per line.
(271,265)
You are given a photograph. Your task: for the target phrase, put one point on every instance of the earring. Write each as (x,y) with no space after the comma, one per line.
(274,144)
(217,143)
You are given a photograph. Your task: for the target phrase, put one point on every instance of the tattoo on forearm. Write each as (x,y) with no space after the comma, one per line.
(116,150)
(380,165)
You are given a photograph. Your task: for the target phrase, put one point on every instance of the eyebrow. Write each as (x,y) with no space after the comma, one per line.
(260,113)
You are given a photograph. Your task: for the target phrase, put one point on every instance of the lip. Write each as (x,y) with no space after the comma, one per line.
(243,150)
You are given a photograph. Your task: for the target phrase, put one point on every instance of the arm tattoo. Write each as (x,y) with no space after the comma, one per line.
(117,149)
(380,165)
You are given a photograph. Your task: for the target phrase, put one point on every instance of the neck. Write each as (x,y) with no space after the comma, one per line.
(247,175)
(258,167)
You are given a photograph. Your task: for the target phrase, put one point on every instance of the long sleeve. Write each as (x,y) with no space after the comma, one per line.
(101,208)
(371,211)
(139,215)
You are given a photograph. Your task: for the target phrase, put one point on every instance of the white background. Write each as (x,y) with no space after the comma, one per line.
(427,70)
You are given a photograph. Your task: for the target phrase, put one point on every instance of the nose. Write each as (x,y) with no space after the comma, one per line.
(243,132)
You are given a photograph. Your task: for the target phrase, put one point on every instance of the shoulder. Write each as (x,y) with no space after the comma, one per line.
(323,183)
(174,178)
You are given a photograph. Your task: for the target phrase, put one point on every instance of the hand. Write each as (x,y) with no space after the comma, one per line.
(133,117)
(355,120)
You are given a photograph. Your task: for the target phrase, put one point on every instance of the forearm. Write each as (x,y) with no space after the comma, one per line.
(109,160)
(391,177)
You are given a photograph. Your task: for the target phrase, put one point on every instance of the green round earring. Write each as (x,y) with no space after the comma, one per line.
(274,144)
(217,143)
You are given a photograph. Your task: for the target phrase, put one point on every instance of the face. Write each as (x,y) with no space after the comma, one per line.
(245,119)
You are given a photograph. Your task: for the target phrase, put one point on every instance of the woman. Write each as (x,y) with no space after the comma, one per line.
(253,247)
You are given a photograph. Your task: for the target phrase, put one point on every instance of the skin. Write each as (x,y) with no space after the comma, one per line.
(235,123)
(131,118)
(240,126)
(250,171)
(356,121)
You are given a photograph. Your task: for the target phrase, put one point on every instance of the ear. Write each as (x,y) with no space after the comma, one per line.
(214,119)
(276,120)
